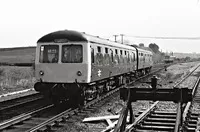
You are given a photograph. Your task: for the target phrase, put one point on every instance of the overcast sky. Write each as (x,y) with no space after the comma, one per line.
(23,22)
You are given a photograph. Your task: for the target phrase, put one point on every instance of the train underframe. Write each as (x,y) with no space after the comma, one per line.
(80,93)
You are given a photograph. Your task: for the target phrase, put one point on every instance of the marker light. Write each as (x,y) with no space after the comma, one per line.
(41,73)
(79,73)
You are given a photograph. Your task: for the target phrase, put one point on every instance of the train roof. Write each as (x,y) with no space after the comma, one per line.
(64,34)
(70,35)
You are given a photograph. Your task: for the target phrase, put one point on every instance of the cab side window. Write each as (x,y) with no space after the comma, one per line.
(92,55)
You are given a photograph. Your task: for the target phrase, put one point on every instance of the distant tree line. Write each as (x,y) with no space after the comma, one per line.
(10,49)
(154,47)
(158,56)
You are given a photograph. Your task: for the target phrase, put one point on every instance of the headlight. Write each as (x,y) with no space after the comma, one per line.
(41,73)
(79,73)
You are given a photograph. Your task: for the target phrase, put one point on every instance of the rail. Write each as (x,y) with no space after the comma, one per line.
(177,95)
(57,118)
(181,114)
(21,118)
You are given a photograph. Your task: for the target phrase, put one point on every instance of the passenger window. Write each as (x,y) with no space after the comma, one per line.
(133,56)
(116,57)
(121,52)
(112,57)
(99,49)
(106,58)
(106,50)
(116,51)
(128,57)
(99,56)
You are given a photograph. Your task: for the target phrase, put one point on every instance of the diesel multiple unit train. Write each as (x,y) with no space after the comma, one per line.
(77,67)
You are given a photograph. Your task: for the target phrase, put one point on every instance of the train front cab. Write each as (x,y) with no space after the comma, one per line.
(60,67)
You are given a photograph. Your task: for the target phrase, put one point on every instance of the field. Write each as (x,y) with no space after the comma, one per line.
(17,55)
(14,78)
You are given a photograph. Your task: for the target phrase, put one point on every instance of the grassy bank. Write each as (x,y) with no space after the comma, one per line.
(14,78)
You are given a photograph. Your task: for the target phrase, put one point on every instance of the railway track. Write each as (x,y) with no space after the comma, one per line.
(9,104)
(43,119)
(184,118)
(49,117)
(14,107)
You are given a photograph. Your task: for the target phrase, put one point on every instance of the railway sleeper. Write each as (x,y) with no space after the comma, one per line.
(19,128)
(158,123)
(191,129)
(192,123)
(162,116)
(157,128)
(160,120)
(164,113)
(194,116)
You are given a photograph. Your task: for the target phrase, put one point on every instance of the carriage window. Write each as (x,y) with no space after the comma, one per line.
(106,50)
(134,57)
(99,49)
(72,53)
(124,52)
(128,57)
(112,57)
(116,52)
(120,52)
(49,54)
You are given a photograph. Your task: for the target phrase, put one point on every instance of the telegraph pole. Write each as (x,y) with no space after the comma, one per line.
(122,38)
(115,37)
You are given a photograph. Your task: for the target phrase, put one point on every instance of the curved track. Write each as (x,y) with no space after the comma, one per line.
(153,120)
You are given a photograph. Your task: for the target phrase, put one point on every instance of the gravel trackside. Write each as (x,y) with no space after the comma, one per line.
(113,104)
